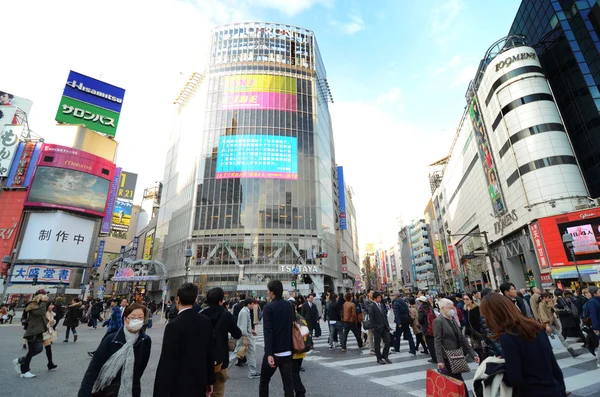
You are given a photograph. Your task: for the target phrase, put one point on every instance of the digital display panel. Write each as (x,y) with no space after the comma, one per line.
(257,156)
(68,189)
(263,92)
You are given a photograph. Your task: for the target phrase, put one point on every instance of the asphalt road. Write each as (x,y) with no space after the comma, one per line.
(73,360)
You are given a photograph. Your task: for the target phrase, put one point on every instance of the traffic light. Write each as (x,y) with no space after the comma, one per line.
(294,283)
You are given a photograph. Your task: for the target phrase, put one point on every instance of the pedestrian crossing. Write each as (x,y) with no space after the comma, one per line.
(407,373)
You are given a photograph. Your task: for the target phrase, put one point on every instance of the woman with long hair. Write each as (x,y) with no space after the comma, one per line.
(50,334)
(531,368)
(35,326)
(473,327)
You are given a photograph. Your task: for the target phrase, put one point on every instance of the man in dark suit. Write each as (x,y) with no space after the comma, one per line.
(310,313)
(381,329)
(186,365)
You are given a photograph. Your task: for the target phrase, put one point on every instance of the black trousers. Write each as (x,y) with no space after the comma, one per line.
(378,335)
(35,345)
(420,341)
(351,327)
(431,345)
(285,365)
(299,388)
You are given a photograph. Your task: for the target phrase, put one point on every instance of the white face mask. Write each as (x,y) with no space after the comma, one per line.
(450,312)
(135,324)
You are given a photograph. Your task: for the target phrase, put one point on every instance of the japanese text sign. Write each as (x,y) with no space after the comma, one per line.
(100,253)
(44,274)
(57,236)
(127,183)
(538,244)
(9,140)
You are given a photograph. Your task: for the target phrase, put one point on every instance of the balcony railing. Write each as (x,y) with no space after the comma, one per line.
(425,267)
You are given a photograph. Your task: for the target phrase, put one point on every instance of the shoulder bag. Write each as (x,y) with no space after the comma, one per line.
(456,357)
(297,337)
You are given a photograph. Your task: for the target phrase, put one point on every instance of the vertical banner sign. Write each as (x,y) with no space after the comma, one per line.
(452,257)
(9,141)
(342,198)
(127,184)
(487,160)
(538,243)
(100,254)
(122,253)
(384,266)
(106,221)
(134,249)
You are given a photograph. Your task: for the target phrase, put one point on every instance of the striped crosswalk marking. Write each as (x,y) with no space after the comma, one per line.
(408,372)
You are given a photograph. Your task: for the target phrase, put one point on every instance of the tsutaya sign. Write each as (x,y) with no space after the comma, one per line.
(504,221)
(301,268)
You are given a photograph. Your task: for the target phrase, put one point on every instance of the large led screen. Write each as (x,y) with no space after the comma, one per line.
(257,91)
(68,189)
(257,156)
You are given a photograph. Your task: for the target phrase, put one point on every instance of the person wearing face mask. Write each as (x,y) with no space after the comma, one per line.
(448,337)
(119,362)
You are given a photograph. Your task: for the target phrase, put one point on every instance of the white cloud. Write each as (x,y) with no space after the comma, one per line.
(392,98)
(385,161)
(455,61)
(443,19)
(464,76)
(354,25)
(290,7)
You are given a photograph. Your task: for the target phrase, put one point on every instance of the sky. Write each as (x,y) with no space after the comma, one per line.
(398,71)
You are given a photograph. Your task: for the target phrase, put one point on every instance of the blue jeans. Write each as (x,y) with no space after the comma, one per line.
(335,330)
(72,329)
(94,322)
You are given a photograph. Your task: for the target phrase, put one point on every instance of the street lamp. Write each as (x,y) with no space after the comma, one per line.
(568,240)
(5,263)
(188,255)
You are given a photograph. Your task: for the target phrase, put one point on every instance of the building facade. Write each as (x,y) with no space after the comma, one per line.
(250,181)
(565,35)
(511,163)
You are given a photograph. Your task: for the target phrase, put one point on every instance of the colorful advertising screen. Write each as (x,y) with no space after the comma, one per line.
(583,226)
(92,103)
(342,198)
(257,156)
(121,218)
(107,220)
(257,91)
(70,179)
(11,209)
(487,160)
(23,166)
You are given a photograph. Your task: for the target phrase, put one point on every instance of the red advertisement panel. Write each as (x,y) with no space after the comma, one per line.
(452,257)
(11,209)
(538,243)
(583,226)
(71,179)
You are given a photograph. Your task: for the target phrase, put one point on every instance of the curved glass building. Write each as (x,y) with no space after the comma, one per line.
(250,181)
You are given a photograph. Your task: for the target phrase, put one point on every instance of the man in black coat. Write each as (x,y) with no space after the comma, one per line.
(186,365)
(381,329)
(214,311)
(310,313)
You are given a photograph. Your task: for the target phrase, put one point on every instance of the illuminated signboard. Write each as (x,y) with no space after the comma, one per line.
(257,156)
(265,92)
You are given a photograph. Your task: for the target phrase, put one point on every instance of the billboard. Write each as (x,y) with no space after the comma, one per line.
(110,207)
(100,253)
(8,116)
(487,160)
(121,216)
(57,236)
(92,103)
(342,198)
(127,183)
(452,258)
(70,179)
(257,156)
(11,209)
(9,143)
(583,226)
(257,91)
(23,166)
(23,105)
(148,245)
(538,243)
(44,274)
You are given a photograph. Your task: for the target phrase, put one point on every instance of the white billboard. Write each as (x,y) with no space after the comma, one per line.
(9,141)
(57,236)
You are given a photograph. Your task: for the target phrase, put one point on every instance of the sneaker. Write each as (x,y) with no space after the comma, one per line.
(381,362)
(344,350)
(254,376)
(17,364)
(330,347)
(74,338)
(27,375)
(338,345)
(387,360)
(66,341)
(51,366)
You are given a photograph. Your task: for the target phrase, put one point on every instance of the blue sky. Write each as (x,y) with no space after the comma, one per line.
(397,69)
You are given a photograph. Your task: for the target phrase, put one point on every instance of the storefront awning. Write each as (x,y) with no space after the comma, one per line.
(564,272)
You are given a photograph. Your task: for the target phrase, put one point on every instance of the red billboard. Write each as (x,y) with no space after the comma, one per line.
(452,257)
(11,209)
(70,179)
(538,243)
(583,226)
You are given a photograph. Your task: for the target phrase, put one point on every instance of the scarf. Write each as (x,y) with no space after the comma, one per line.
(123,358)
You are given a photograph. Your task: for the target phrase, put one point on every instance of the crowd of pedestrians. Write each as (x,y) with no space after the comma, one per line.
(502,330)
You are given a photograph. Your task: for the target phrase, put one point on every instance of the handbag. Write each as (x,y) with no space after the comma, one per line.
(458,363)
(241,354)
(53,336)
(231,344)
(318,331)
(367,322)
(297,337)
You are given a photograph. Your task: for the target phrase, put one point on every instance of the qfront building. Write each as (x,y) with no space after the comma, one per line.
(511,163)
(251,191)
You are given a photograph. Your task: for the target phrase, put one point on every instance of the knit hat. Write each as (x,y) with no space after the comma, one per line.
(593,289)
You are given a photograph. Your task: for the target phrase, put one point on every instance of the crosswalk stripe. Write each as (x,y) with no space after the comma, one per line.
(387,367)
(583,380)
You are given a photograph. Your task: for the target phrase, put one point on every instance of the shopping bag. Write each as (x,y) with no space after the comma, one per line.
(317,330)
(439,385)
(242,353)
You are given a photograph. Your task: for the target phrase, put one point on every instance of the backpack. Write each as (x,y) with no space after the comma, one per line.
(585,316)
(172,311)
(217,342)
(430,317)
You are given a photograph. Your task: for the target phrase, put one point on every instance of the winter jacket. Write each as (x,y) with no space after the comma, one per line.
(349,313)
(228,326)
(414,318)
(593,306)
(116,320)
(547,316)
(493,347)
(534,302)
(74,313)
(401,312)
(334,310)
(109,346)
(37,322)
(426,317)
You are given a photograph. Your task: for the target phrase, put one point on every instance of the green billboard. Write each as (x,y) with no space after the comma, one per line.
(72,111)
